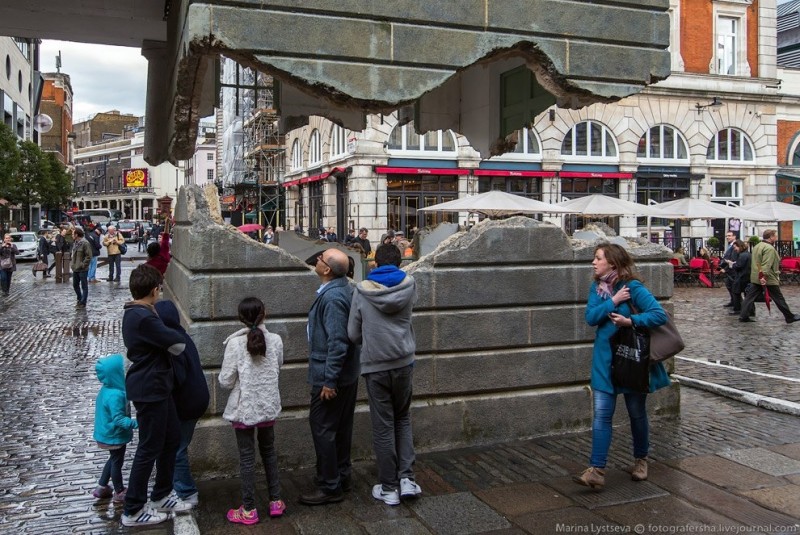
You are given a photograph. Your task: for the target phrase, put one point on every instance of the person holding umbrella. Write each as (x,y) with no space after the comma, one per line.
(765,279)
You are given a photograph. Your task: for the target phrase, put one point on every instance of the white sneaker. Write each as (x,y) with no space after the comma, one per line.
(146,516)
(391,497)
(409,488)
(193,499)
(171,504)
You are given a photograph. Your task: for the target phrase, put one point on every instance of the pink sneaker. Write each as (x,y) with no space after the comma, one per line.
(242,516)
(276,508)
(102,493)
(119,497)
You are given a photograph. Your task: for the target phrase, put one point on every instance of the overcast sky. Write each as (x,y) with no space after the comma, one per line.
(103,77)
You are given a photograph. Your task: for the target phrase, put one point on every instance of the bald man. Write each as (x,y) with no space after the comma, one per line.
(333,370)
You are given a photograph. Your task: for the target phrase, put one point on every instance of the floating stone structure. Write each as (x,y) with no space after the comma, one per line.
(503,350)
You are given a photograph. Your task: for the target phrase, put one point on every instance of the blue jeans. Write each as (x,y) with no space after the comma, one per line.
(604,405)
(113,469)
(5,280)
(93,268)
(80,285)
(183,482)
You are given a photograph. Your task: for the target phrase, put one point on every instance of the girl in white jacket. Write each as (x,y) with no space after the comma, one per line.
(251,367)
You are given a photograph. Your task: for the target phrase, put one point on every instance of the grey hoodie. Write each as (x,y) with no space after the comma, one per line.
(380,320)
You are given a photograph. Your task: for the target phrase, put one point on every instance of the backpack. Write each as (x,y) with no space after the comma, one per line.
(123,248)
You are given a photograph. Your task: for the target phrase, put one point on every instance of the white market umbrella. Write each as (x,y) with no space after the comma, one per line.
(689,208)
(497,204)
(606,206)
(774,211)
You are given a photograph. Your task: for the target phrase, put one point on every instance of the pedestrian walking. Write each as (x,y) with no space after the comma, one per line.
(43,253)
(251,368)
(726,266)
(741,275)
(63,255)
(616,291)
(113,425)
(380,321)
(81,259)
(333,370)
(149,383)
(765,276)
(96,241)
(112,242)
(8,263)
(191,401)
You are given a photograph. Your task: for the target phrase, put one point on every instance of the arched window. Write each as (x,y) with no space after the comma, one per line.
(297,155)
(730,145)
(338,141)
(589,139)
(794,154)
(314,149)
(405,139)
(527,148)
(663,142)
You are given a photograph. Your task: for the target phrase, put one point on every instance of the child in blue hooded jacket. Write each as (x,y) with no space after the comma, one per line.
(113,426)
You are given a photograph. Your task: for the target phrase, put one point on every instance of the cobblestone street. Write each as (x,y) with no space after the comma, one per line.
(722,463)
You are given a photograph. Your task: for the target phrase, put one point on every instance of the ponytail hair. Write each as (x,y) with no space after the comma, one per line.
(252,313)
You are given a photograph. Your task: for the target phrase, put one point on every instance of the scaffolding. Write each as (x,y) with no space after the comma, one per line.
(252,145)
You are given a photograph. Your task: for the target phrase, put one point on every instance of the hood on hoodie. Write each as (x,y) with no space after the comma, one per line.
(389,300)
(168,313)
(111,371)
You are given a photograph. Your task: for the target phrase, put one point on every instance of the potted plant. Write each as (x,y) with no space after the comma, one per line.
(753,240)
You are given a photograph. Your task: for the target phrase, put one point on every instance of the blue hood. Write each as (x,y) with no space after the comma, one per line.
(111,372)
(388,276)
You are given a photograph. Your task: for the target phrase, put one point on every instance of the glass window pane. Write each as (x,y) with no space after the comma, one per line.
(396,138)
(566,145)
(431,141)
(736,145)
(611,148)
(748,151)
(533,143)
(711,153)
(641,150)
(447,141)
(683,151)
(412,138)
(580,139)
(723,144)
(668,145)
(655,142)
(596,140)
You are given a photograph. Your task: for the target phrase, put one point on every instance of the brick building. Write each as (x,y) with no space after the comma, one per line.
(710,131)
(57,104)
(102,127)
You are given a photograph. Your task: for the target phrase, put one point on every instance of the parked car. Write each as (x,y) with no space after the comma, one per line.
(46,224)
(27,243)
(129,230)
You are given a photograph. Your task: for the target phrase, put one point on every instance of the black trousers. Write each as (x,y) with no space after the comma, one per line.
(159,438)
(332,430)
(754,291)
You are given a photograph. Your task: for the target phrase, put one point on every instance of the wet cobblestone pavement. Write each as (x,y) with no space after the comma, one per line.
(722,463)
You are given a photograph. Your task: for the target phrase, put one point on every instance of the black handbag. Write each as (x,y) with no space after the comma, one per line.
(630,359)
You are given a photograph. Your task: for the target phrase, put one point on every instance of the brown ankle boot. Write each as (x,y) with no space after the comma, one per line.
(639,470)
(592,477)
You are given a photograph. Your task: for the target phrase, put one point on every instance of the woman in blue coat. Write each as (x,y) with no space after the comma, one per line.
(616,286)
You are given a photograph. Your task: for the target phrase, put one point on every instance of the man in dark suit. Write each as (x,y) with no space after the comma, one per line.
(728,260)
(333,370)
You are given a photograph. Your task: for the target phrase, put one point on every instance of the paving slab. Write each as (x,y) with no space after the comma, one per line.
(765,460)
(725,473)
(520,499)
(784,499)
(789,450)
(458,513)
(702,494)
(401,526)
(569,520)
(619,489)
(667,514)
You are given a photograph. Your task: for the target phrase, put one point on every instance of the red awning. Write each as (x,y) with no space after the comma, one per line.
(419,171)
(510,172)
(571,174)
(312,178)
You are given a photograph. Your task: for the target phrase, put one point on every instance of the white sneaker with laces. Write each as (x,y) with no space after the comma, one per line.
(193,499)
(409,488)
(389,497)
(146,516)
(171,504)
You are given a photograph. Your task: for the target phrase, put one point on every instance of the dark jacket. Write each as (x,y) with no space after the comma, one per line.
(333,359)
(81,255)
(44,247)
(62,244)
(95,241)
(741,270)
(151,347)
(191,390)
(364,245)
(730,254)
(12,252)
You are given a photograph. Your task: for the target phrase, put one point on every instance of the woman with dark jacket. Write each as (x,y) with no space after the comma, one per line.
(741,275)
(43,251)
(8,263)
